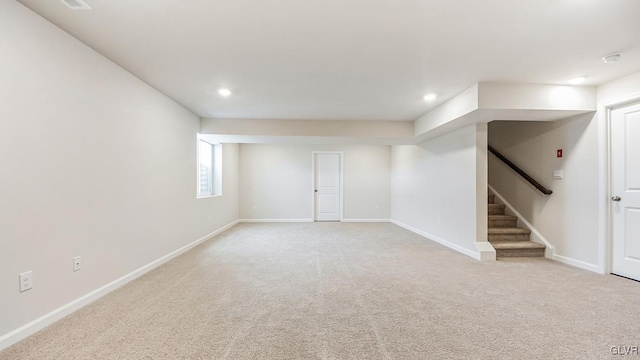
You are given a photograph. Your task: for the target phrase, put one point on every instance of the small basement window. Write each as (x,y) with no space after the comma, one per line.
(209,168)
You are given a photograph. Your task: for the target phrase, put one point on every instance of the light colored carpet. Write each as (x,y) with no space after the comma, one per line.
(347,291)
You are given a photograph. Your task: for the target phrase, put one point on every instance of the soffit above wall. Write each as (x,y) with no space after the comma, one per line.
(481,103)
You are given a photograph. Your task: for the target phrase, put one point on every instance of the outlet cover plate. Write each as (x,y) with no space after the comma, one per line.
(26,281)
(77,263)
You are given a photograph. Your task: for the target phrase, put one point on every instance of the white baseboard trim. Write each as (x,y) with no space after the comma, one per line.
(441,241)
(550,250)
(310,220)
(57,314)
(366,220)
(577,263)
(486,252)
(274,220)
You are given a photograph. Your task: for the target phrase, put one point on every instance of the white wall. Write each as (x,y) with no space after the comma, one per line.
(277,180)
(433,189)
(619,89)
(95,163)
(568,218)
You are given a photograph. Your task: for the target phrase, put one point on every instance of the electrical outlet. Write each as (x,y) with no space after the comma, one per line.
(77,263)
(26,281)
(376,208)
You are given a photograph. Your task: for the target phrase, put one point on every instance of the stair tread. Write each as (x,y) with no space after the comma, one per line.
(509,230)
(496,209)
(516,245)
(502,217)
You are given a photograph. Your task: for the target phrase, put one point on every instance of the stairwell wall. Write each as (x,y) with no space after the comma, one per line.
(567,218)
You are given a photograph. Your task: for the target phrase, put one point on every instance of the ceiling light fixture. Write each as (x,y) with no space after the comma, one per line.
(578,80)
(76,4)
(224,92)
(430,97)
(615,57)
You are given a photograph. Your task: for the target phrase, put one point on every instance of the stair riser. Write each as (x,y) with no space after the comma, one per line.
(519,253)
(508,237)
(495,210)
(492,199)
(503,223)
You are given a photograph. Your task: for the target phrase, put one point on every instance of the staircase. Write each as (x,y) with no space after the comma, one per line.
(506,237)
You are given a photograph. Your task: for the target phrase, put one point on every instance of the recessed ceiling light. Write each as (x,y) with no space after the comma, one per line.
(224,92)
(430,97)
(76,4)
(612,57)
(578,80)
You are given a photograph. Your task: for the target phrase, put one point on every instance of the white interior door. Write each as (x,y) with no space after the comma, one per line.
(328,194)
(625,184)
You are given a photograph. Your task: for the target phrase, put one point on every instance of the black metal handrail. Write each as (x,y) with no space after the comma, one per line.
(520,172)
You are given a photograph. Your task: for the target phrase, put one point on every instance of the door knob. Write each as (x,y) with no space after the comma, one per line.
(616,198)
(316,190)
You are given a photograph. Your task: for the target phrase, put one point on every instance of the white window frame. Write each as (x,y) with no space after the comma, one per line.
(215,188)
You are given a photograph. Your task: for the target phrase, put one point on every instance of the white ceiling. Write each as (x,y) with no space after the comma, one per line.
(350,59)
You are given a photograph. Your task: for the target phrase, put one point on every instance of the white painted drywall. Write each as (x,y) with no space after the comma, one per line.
(325,128)
(482,177)
(619,89)
(433,188)
(277,181)
(568,218)
(302,132)
(94,163)
(485,102)
(462,104)
(536,97)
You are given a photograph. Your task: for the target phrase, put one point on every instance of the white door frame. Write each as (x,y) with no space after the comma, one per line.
(606,205)
(313,183)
